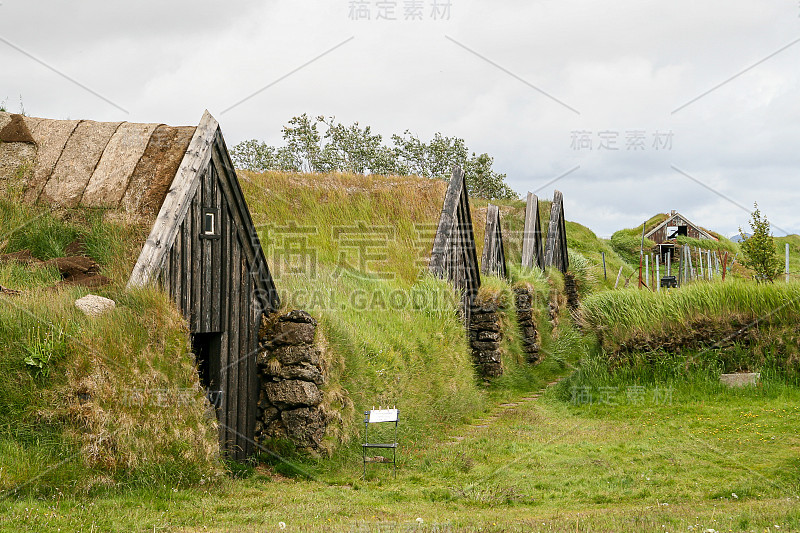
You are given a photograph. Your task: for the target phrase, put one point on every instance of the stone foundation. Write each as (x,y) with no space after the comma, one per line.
(571,289)
(291,373)
(523,300)
(485,334)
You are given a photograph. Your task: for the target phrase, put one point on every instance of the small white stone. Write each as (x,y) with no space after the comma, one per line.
(93,305)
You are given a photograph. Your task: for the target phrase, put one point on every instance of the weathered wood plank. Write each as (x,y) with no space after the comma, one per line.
(216,258)
(493,259)
(240,215)
(176,203)
(187,236)
(195,215)
(177,275)
(244,393)
(205,262)
(236,338)
(532,252)
(556,254)
(454,255)
(447,221)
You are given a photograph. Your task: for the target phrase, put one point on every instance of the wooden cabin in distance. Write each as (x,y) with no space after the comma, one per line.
(202,248)
(674,226)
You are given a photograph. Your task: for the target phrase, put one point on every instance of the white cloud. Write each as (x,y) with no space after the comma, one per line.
(625,65)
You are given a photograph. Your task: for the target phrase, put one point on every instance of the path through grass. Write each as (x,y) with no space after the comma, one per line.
(713,462)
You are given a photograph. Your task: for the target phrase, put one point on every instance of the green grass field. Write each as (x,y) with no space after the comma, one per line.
(725,461)
(631,438)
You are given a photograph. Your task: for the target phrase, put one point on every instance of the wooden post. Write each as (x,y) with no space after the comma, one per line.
(641,254)
(685,269)
(724,265)
(605,277)
(647,270)
(618,275)
(700,262)
(787,262)
(658,273)
(691,266)
(669,262)
(709,269)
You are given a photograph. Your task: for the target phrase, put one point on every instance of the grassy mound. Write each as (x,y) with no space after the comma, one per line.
(628,316)
(352,251)
(93,403)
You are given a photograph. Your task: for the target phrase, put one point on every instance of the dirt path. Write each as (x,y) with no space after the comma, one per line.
(486,422)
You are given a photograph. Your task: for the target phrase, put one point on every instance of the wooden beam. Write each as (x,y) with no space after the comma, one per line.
(176,203)
(447,223)
(532,253)
(556,253)
(493,259)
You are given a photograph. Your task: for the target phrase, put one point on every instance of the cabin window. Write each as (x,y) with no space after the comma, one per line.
(210,223)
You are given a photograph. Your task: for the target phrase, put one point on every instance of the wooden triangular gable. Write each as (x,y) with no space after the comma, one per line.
(703,233)
(555,254)
(493,259)
(454,256)
(532,249)
(207,147)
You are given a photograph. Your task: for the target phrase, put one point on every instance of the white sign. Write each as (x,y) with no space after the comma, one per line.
(383,415)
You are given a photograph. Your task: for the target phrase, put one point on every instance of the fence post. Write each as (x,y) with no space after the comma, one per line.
(787,262)
(618,275)
(658,273)
(605,277)
(669,262)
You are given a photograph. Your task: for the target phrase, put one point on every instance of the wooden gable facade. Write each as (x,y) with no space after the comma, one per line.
(556,253)
(204,250)
(493,258)
(454,256)
(676,225)
(532,250)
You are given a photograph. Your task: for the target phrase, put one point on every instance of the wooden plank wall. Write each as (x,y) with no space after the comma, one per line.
(532,250)
(454,256)
(555,254)
(212,282)
(493,259)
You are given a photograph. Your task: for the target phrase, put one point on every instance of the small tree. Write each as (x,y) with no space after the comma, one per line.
(759,249)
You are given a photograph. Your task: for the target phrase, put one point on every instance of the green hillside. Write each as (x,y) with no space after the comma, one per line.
(392,331)
(638,435)
(91,404)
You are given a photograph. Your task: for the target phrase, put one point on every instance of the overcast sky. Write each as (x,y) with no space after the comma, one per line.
(701,99)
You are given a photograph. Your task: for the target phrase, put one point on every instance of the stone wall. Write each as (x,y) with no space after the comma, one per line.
(291,372)
(523,300)
(485,334)
(571,289)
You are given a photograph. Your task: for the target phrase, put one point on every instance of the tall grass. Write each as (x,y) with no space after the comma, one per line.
(621,315)
(113,401)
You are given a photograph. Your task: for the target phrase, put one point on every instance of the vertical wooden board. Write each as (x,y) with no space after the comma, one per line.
(235,336)
(528,233)
(177,272)
(556,251)
(186,268)
(244,360)
(222,411)
(224,369)
(170,281)
(205,262)
(216,259)
(195,212)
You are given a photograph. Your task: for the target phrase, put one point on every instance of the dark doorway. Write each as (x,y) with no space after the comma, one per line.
(683,231)
(207,348)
